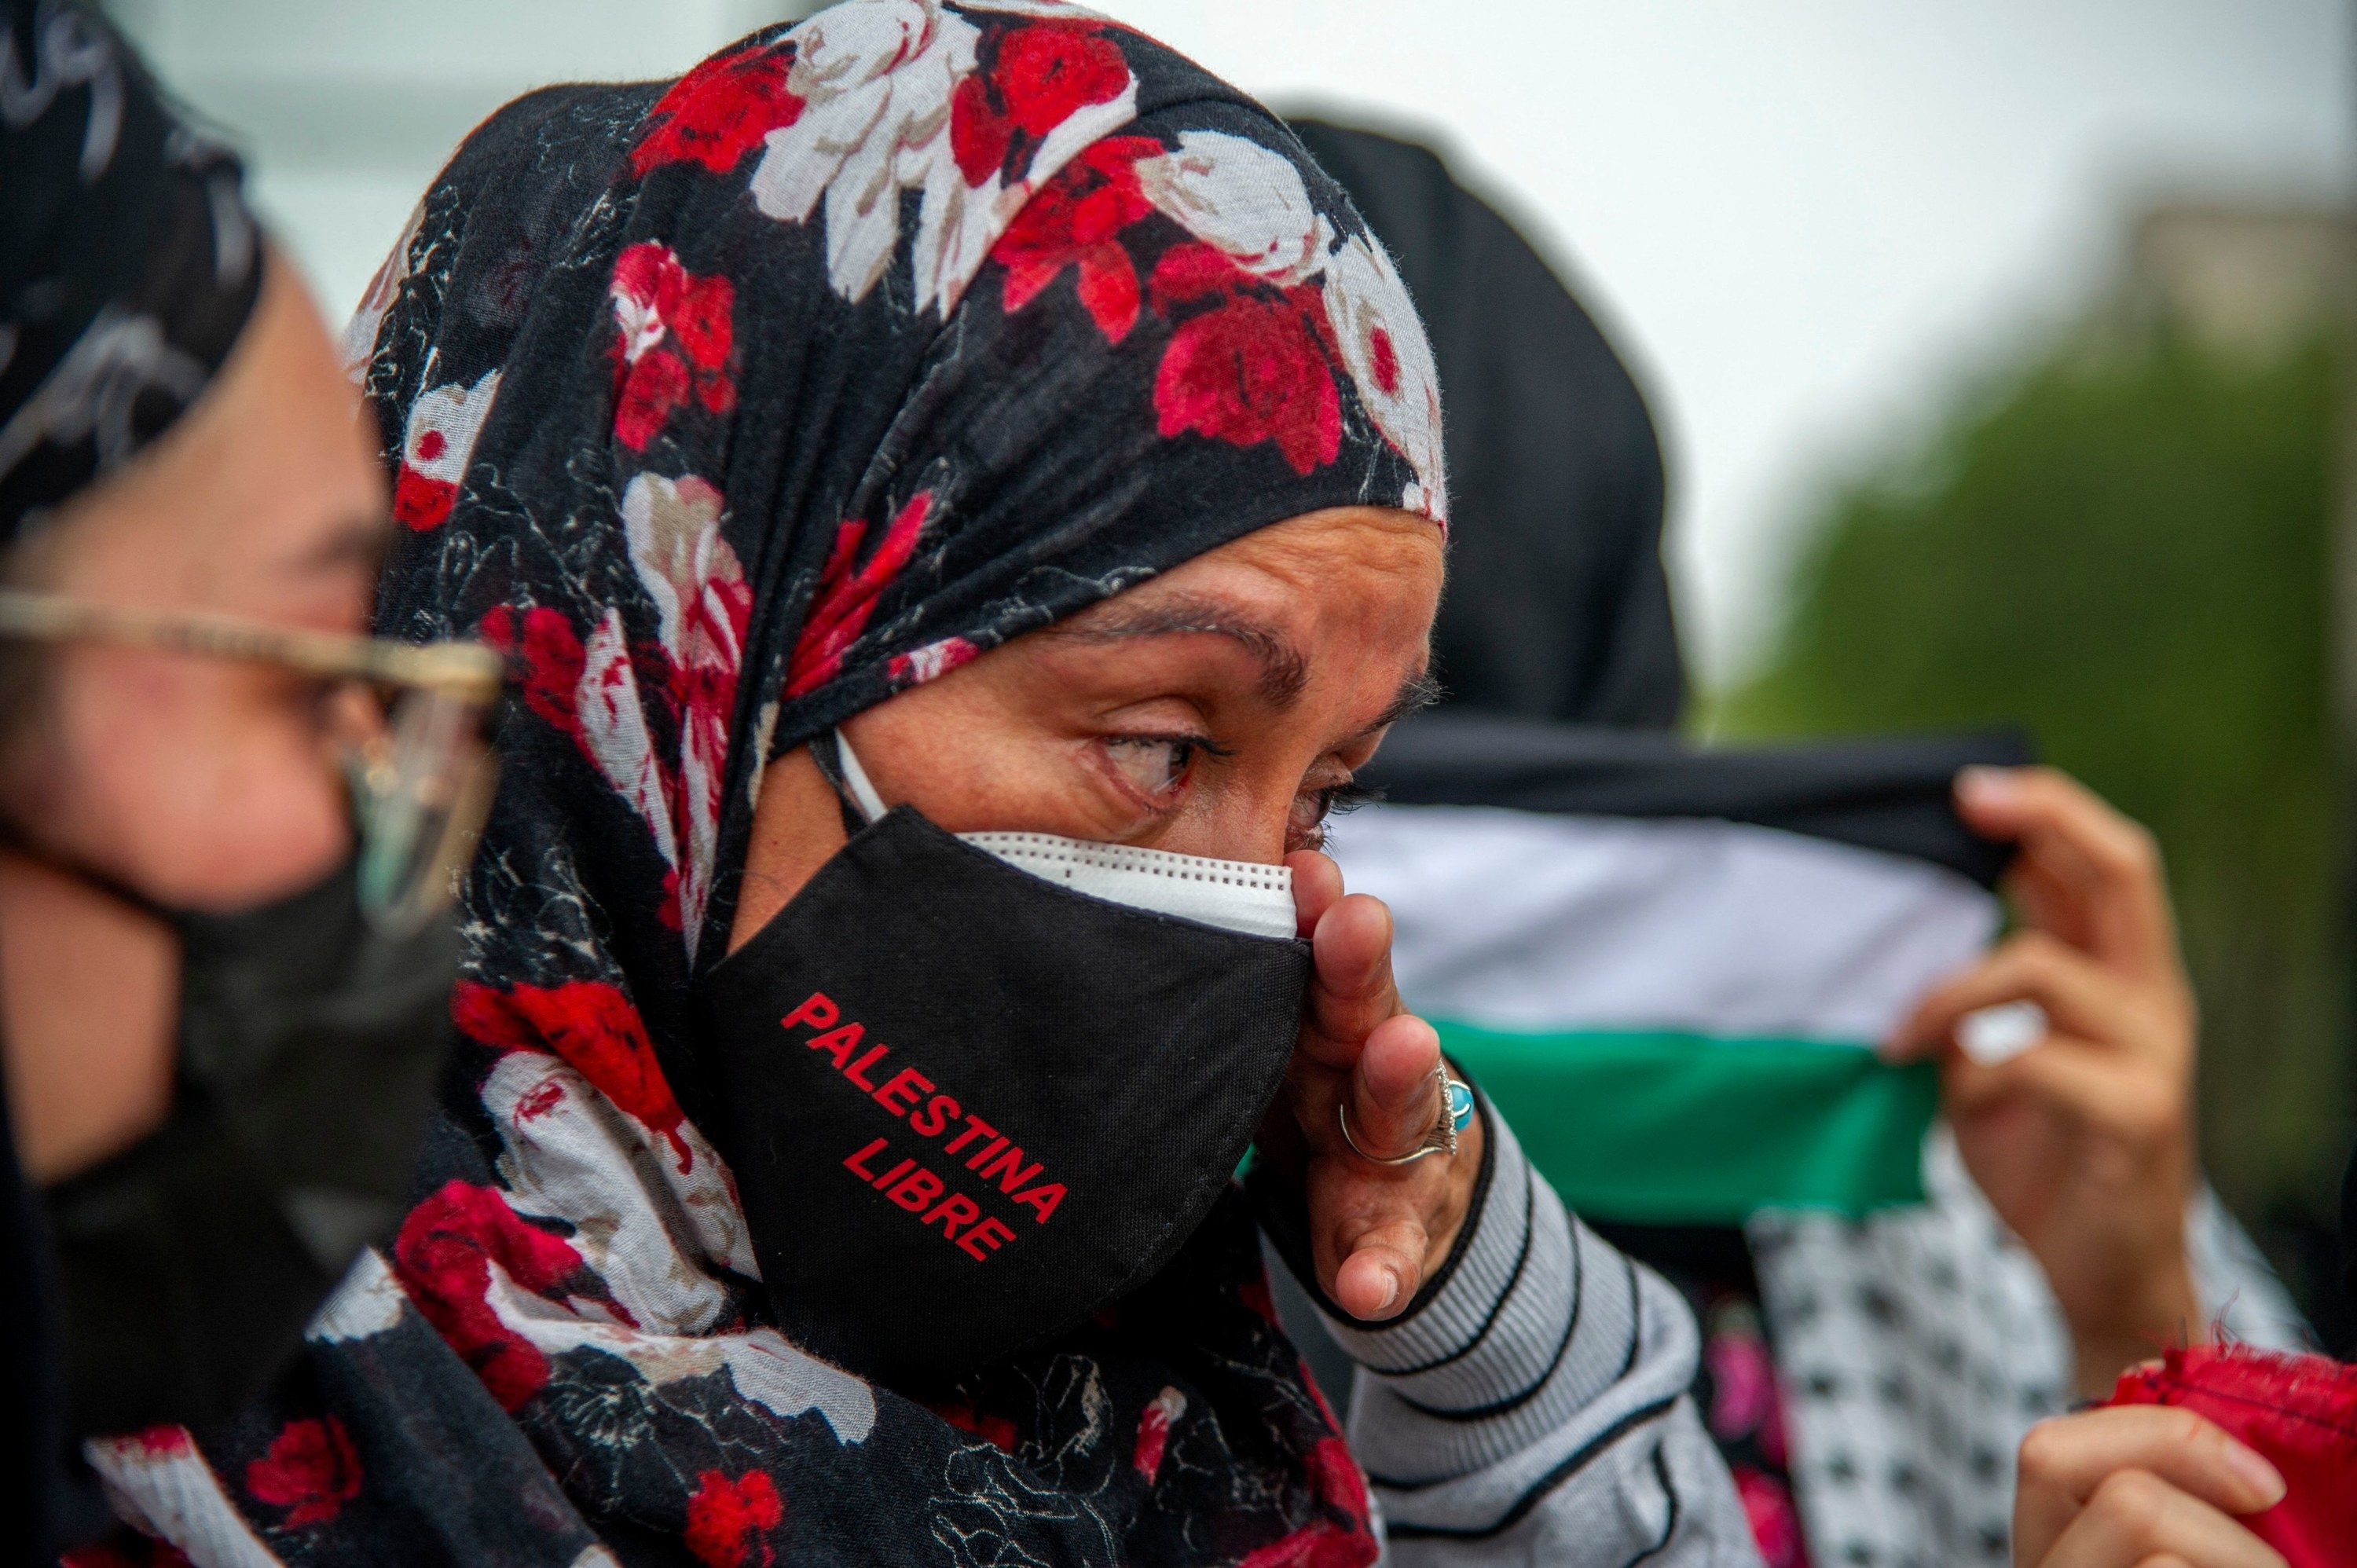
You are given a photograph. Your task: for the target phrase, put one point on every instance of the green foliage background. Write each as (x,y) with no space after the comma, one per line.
(2126,551)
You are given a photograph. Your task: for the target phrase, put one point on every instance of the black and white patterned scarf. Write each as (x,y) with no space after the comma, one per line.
(128,262)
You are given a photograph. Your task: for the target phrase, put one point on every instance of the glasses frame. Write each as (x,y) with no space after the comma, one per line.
(466,673)
(465,670)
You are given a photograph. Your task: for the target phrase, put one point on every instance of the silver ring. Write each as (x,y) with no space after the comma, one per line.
(1440,1138)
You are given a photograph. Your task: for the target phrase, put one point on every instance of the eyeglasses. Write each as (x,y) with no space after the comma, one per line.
(407,722)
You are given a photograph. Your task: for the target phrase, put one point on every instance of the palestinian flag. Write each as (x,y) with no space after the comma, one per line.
(1669,967)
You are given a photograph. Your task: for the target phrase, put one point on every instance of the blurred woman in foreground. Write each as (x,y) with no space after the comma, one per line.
(218,1027)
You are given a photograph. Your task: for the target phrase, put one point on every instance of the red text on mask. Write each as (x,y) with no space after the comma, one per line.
(910,1095)
(920,1191)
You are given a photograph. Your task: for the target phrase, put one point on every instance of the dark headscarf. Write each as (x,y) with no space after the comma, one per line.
(128,262)
(1557,607)
(733,406)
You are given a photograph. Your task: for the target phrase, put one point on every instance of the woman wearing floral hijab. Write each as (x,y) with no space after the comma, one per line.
(974,434)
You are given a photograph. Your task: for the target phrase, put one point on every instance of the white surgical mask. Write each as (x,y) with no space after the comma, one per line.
(1233,894)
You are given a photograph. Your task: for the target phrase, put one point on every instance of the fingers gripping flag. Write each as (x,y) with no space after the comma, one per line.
(1669,968)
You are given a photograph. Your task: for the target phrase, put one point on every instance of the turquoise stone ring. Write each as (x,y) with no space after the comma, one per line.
(1456,1110)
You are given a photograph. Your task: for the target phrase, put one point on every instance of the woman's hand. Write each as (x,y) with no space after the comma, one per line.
(2083,1142)
(1376,1232)
(2139,1485)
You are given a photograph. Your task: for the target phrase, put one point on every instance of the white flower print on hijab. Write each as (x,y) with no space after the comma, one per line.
(1241,197)
(1251,204)
(879,85)
(699,591)
(1383,343)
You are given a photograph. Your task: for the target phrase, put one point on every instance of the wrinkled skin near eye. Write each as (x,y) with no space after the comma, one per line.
(1158,769)
(1156,765)
(1315,811)
(1219,710)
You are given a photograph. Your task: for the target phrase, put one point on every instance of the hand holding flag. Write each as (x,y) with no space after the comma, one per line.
(2084,1144)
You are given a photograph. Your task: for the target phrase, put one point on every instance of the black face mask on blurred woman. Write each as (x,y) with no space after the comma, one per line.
(308,1042)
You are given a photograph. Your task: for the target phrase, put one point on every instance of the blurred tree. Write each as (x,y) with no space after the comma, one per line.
(2126,551)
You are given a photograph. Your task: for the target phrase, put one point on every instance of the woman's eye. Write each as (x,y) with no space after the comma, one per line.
(1157,765)
(1313,808)
(1306,830)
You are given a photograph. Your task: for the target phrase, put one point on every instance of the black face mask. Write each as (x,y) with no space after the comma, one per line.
(308,1047)
(967,1106)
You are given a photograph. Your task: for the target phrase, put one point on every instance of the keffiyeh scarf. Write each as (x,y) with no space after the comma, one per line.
(731,406)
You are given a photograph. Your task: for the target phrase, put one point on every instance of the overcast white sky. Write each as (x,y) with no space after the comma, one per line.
(1806,222)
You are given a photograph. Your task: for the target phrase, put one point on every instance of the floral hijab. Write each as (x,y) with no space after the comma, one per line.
(731,406)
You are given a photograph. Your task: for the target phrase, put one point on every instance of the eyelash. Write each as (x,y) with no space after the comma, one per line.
(1186,746)
(1337,800)
(1340,801)
(1344,798)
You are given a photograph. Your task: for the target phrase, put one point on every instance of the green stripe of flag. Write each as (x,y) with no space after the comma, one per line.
(1676,1128)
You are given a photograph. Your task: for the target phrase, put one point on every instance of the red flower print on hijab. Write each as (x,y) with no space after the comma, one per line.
(1273,310)
(996,1430)
(1049,72)
(1323,1544)
(1339,1485)
(1036,77)
(598,691)
(1327,1543)
(595,1029)
(435,447)
(1077,219)
(549,650)
(311,1470)
(846,596)
(1154,1431)
(720,111)
(444,1256)
(932,661)
(419,501)
(658,303)
(1253,356)
(725,1518)
(1251,371)
(654,386)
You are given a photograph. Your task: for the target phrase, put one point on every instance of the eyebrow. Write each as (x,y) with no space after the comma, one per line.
(1284,672)
(358,541)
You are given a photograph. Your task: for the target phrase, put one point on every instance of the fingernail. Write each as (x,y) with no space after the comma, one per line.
(1391,1291)
(2253,1469)
(1984,785)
